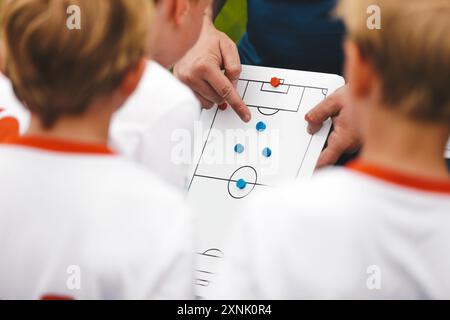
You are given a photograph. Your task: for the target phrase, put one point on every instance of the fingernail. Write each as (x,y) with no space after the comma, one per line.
(310,130)
(247,117)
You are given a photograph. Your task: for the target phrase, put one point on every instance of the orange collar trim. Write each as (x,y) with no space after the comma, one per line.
(9,127)
(59,145)
(402,179)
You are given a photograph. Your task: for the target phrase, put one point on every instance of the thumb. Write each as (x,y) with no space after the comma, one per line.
(328,108)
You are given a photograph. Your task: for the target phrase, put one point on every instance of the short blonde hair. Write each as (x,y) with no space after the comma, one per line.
(411,52)
(59,72)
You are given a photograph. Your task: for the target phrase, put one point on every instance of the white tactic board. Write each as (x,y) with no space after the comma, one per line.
(237,160)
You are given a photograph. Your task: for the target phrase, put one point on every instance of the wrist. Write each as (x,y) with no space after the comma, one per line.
(208,24)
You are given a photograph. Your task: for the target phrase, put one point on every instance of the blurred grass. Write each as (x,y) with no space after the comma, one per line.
(233,19)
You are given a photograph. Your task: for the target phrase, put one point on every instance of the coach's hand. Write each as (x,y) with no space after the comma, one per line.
(345,135)
(201,70)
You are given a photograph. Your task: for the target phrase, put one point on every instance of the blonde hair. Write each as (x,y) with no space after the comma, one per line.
(411,52)
(59,72)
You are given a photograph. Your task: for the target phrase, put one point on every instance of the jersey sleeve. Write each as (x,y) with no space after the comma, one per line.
(156,126)
(166,145)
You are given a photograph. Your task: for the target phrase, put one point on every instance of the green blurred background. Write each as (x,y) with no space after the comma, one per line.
(233,19)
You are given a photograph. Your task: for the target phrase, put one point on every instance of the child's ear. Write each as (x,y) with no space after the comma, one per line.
(132,78)
(175,11)
(359,71)
(180,10)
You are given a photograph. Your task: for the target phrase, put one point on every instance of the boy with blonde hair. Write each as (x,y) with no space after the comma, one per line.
(379,228)
(76,221)
(161,106)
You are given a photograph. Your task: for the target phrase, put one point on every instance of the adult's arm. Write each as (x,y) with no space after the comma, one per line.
(212,67)
(201,69)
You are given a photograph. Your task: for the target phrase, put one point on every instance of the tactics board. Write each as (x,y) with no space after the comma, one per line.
(237,160)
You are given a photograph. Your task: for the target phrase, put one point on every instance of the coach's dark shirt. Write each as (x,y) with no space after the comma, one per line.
(292,34)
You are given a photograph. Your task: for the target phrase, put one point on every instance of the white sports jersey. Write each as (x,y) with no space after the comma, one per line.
(147,128)
(79,222)
(357,233)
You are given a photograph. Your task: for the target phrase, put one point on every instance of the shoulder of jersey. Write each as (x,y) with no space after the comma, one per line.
(317,196)
(326,203)
(141,181)
(170,82)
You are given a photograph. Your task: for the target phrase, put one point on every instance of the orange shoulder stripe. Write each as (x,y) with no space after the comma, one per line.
(58,145)
(416,182)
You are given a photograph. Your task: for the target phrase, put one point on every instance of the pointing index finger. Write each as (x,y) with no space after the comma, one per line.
(228,93)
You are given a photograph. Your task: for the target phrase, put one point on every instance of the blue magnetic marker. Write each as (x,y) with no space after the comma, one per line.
(267,152)
(241,184)
(261,126)
(239,148)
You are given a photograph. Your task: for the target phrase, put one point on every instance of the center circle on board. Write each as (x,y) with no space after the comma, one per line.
(237,189)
